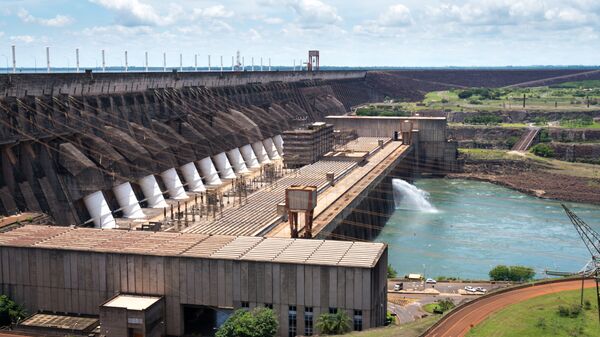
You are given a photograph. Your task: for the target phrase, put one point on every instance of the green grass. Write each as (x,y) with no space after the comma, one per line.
(551,165)
(586,84)
(539,317)
(575,125)
(430,308)
(412,329)
(487,154)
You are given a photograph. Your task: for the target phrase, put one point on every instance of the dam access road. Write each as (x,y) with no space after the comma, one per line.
(458,322)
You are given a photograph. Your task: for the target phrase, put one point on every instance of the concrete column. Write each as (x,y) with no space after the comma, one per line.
(209,171)
(173,184)
(261,153)
(192,177)
(152,192)
(128,201)
(236,160)
(99,211)
(223,166)
(271,149)
(278,141)
(249,156)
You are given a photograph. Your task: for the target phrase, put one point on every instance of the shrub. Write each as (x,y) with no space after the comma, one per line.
(334,324)
(444,101)
(475,102)
(545,136)
(511,141)
(391,272)
(10,312)
(260,322)
(572,311)
(511,273)
(543,150)
(445,304)
(389,318)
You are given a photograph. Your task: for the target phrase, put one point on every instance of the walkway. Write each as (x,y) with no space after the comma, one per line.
(526,140)
(458,322)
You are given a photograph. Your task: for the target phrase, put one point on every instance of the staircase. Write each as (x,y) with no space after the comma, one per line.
(526,140)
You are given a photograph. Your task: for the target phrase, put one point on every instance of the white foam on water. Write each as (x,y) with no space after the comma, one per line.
(409,197)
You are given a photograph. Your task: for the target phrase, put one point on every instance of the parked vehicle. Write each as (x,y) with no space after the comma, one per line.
(430,281)
(470,289)
(398,286)
(481,290)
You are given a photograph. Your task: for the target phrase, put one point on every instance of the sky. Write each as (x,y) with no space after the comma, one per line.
(410,33)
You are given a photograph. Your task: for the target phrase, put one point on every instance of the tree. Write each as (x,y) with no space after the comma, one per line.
(500,273)
(512,273)
(543,150)
(391,272)
(260,322)
(334,324)
(444,305)
(10,311)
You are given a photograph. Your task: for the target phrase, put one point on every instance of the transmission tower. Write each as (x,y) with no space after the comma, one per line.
(591,239)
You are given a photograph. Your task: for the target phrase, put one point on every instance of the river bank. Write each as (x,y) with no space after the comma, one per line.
(544,178)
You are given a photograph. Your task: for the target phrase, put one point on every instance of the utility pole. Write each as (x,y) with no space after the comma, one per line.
(180,62)
(269,64)
(252,63)
(14,59)
(103,62)
(209,62)
(195,62)
(126,62)
(77,59)
(221,63)
(48,58)
(232,64)
(261,64)
(164,61)
(146,60)
(524,99)
(243,64)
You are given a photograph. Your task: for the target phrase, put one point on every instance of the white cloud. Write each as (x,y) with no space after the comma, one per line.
(389,22)
(396,15)
(315,13)
(22,38)
(273,21)
(135,12)
(254,35)
(57,21)
(217,11)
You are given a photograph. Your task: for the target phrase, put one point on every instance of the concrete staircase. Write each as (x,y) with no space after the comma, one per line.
(526,140)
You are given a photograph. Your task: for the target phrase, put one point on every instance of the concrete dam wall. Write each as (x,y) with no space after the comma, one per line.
(66,137)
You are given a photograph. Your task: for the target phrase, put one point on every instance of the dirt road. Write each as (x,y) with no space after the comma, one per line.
(459,322)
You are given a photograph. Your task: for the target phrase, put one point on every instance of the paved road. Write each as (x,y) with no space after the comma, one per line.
(459,322)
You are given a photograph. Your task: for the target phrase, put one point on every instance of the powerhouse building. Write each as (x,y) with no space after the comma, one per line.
(190,283)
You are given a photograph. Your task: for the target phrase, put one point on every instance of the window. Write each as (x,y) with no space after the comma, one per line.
(269,305)
(292,321)
(358,320)
(245,305)
(308,321)
(332,310)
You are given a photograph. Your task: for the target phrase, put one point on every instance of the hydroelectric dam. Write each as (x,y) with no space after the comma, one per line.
(160,202)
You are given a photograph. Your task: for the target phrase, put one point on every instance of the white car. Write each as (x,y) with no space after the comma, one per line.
(470,289)
(481,290)
(430,281)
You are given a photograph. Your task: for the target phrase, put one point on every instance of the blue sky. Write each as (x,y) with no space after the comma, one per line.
(348,33)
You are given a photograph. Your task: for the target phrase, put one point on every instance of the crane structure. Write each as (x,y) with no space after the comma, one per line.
(591,239)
